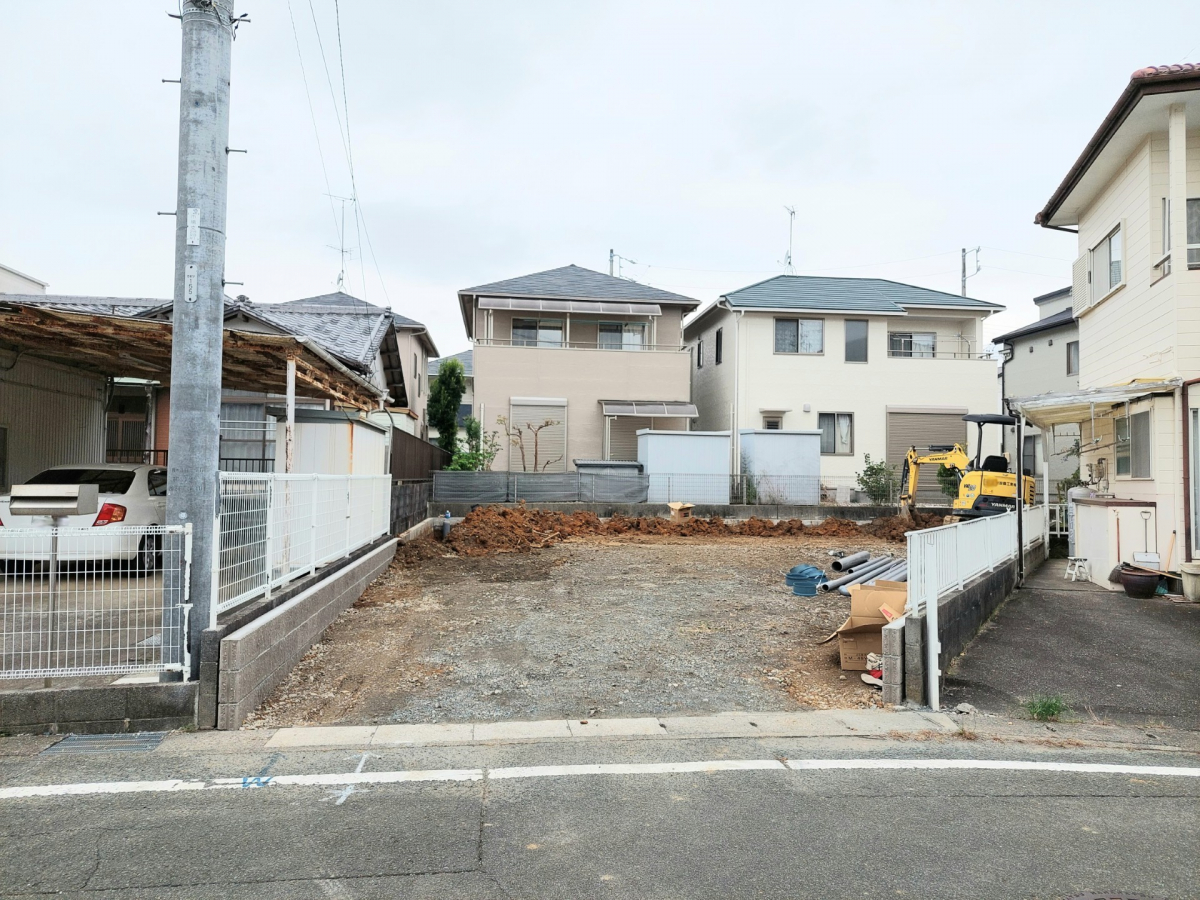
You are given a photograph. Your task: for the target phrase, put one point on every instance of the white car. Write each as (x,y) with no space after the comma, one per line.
(130,495)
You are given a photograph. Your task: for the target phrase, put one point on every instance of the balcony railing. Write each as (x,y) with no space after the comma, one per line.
(579,345)
(936,354)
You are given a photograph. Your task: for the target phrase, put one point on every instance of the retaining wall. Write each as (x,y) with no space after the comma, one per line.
(960,616)
(259,655)
(109,709)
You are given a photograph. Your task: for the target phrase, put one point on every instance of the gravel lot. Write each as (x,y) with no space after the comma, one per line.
(644,625)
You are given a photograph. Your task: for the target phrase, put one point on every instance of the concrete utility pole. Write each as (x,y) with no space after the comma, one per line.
(200,294)
(965,276)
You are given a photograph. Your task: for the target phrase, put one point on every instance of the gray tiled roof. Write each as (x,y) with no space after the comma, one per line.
(576,283)
(864,295)
(465,358)
(1063,317)
(105,306)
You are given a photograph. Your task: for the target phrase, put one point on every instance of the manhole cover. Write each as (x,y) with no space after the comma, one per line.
(140,742)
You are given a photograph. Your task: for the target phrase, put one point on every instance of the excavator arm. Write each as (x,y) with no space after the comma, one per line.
(952,458)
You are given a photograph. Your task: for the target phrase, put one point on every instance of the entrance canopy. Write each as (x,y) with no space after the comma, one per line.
(649,408)
(1072,407)
(117,346)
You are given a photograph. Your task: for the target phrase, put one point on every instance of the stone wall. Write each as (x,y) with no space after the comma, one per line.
(109,709)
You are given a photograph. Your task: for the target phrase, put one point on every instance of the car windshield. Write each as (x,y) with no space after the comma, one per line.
(109,481)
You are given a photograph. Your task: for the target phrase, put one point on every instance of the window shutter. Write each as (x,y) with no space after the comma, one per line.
(622,437)
(550,453)
(1081,293)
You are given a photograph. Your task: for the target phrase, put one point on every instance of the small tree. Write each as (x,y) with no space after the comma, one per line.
(517,434)
(480,451)
(948,479)
(878,481)
(445,397)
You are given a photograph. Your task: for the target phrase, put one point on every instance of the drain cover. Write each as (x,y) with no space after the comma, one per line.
(140,742)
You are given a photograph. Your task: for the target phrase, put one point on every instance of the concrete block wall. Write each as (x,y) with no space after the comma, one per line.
(258,656)
(960,616)
(109,709)
(701,510)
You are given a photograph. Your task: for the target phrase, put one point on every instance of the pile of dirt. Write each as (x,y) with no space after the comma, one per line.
(893,528)
(521,529)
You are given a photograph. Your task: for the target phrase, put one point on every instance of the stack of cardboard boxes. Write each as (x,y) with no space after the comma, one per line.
(871,607)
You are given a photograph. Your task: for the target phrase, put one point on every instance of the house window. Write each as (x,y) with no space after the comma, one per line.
(537,332)
(773,423)
(1029,454)
(718,345)
(1107,265)
(1073,357)
(837,433)
(1193,233)
(799,336)
(1131,437)
(622,335)
(912,344)
(856,340)
(699,354)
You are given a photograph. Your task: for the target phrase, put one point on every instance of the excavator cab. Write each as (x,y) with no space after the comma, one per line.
(986,487)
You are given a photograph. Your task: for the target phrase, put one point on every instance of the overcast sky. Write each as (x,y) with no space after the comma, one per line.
(495,139)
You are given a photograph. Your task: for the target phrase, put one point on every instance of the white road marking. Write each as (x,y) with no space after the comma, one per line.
(346,780)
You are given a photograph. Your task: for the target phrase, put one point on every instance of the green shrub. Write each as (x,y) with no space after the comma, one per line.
(879,481)
(1045,707)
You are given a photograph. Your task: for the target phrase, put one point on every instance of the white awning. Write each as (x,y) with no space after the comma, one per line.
(649,408)
(1071,407)
(598,307)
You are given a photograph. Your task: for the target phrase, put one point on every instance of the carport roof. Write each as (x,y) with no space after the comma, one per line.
(1072,407)
(649,408)
(117,346)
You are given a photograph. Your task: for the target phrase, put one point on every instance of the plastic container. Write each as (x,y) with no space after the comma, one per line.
(1191,580)
(803,580)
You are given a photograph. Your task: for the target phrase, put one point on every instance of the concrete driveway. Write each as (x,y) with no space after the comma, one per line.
(1115,659)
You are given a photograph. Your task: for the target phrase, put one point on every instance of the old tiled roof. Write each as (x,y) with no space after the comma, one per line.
(1165,71)
(107,306)
(465,358)
(576,283)
(861,295)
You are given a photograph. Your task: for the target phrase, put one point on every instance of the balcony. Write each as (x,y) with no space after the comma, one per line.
(611,346)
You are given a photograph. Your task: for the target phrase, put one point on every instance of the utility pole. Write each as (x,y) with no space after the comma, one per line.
(965,276)
(611,257)
(199,297)
(788,268)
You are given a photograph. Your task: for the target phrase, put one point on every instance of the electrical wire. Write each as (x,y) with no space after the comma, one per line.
(359,222)
(1024,272)
(1022,253)
(313,114)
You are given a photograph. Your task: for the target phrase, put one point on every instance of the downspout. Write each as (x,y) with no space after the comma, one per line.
(1186,464)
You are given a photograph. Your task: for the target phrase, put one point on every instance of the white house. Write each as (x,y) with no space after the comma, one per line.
(1040,357)
(1133,198)
(875,365)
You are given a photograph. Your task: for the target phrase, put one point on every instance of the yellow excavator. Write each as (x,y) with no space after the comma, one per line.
(985,488)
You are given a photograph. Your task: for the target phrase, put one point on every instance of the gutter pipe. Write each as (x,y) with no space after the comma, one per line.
(1186,463)
(846,563)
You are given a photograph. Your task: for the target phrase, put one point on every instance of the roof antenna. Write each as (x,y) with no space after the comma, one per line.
(343,251)
(965,276)
(788,268)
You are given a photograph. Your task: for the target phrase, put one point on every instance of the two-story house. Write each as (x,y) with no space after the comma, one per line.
(1040,357)
(569,364)
(875,365)
(1133,198)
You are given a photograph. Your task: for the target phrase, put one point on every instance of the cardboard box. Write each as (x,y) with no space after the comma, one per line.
(680,511)
(862,633)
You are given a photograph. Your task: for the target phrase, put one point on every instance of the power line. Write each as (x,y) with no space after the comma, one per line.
(358,219)
(1022,253)
(313,114)
(1024,272)
(893,262)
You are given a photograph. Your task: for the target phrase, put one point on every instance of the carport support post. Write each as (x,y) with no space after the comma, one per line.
(199,299)
(289,429)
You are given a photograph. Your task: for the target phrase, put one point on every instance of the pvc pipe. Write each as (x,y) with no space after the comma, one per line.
(846,563)
(895,573)
(863,571)
(866,567)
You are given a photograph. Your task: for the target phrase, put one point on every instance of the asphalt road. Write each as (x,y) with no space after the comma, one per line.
(770,831)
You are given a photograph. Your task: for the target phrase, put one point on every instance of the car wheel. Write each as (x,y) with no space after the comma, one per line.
(149,555)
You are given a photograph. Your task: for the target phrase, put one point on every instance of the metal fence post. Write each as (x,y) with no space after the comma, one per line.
(348,499)
(269,542)
(933,645)
(312,525)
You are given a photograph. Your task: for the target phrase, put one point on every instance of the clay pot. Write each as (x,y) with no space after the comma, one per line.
(1139,585)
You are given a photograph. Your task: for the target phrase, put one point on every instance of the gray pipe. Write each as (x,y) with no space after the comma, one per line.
(860,572)
(863,577)
(846,563)
(889,573)
(868,566)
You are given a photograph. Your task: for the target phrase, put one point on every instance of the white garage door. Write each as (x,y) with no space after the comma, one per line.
(924,429)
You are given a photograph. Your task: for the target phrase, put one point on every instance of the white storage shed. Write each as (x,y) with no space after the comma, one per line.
(689,466)
(782,467)
(332,442)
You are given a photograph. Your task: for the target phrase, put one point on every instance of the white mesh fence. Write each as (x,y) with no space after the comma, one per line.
(93,601)
(274,528)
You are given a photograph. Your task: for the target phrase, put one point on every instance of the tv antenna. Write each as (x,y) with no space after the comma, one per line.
(344,252)
(965,276)
(788,268)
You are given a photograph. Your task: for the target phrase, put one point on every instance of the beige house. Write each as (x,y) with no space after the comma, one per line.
(570,363)
(1133,197)
(1040,357)
(875,365)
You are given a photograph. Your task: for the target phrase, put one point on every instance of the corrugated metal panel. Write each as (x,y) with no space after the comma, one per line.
(923,430)
(622,436)
(53,416)
(541,433)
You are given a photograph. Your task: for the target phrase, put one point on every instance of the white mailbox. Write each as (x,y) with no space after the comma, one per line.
(54,500)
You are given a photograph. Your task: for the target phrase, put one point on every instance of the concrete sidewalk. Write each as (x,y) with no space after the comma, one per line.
(1115,659)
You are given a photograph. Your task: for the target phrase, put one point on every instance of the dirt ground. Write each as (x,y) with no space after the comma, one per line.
(599,622)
